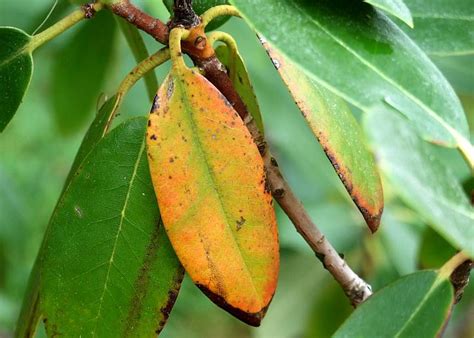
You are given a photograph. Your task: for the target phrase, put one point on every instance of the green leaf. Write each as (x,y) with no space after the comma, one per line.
(107,268)
(16,67)
(434,251)
(359,54)
(443,27)
(200,6)
(417,305)
(240,78)
(396,8)
(79,72)
(341,137)
(424,182)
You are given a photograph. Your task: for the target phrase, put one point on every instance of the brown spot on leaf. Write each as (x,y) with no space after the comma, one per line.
(240,223)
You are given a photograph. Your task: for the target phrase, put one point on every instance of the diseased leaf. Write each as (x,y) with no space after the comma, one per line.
(79,71)
(417,305)
(341,137)
(443,27)
(210,185)
(357,53)
(412,167)
(108,208)
(16,67)
(396,8)
(241,81)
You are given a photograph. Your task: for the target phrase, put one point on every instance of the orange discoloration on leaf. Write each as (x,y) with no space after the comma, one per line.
(340,136)
(210,184)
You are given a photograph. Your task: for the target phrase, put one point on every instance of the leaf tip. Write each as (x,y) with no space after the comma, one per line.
(253,319)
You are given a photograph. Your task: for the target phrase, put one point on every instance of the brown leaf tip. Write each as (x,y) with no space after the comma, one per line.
(253,319)
(372,219)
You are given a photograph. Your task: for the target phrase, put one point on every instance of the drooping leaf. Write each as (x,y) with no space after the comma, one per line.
(396,8)
(241,81)
(200,6)
(210,184)
(79,71)
(106,267)
(341,137)
(358,53)
(417,305)
(443,27)
(412,168)
(16,67)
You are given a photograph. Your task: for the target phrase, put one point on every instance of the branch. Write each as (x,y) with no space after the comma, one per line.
(154,27)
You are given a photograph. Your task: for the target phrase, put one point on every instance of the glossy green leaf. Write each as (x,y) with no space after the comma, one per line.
(200,6)
(79,71)
(396,8)
(242,84)
(128,286)
(16,67)
(341,137)
(443,27)
(417,305)
(412,168)
(358,53)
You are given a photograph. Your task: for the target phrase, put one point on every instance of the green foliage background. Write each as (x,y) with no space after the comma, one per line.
(36,154)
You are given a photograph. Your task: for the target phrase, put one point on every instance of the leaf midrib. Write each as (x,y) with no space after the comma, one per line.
(212,178)
(437,282)
(122,219)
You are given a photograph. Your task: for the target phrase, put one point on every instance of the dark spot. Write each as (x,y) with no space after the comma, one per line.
(279,193)
(321,257)
(240,79)
(171,160)
(153,137)
(170,177)
(156,104)
(240,223)
(149,123)
(169,91)
(274,162)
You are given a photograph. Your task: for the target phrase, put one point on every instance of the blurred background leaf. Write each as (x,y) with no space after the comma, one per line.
(79,69)
(443,27)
